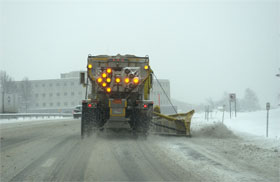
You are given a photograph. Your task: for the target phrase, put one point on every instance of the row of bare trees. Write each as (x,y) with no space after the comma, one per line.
(22,89)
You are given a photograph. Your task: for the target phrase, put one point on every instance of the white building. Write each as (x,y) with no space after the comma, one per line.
(57,95)
(62,95)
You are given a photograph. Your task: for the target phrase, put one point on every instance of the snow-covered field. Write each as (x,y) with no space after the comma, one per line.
(253,123)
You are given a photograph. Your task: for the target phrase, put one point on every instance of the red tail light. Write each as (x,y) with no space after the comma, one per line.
(145,105)
(89,105)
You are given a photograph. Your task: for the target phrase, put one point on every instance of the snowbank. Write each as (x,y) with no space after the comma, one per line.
(248,122)
(215,130)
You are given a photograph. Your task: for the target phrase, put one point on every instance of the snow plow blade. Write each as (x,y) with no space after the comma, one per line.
(175,124)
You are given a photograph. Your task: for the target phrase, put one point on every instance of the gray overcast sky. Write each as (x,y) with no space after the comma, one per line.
(203,47)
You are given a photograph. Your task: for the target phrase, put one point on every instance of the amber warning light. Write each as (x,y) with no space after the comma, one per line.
(108,80)
(108,89)
(99,80)
(104,75)
(136,80)
(126,80)
(118,80)
(109,70)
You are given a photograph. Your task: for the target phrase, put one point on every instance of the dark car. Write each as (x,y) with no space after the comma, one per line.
(77,112)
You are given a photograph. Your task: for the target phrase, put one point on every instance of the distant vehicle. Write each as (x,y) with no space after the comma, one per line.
(77,112)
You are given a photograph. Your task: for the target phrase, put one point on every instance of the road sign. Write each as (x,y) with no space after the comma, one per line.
(268,106)
(267,117)
(232,97)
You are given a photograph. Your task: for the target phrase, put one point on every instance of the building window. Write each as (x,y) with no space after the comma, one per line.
(50,94)
(57,94)
(50,84)
(36,95)
(72,103)
(51,104)
(57,84)
(36,85)
(80,93)
(72,83)
(37,105)
(43,85)
(65,103)
(58,104)
(43,95)
(44,104)
(65,84)
(72,93)
(65,93)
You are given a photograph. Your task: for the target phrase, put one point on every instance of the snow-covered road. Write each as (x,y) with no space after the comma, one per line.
(53,151)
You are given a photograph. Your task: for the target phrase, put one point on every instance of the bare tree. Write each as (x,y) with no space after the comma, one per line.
(25,93)
(7,86)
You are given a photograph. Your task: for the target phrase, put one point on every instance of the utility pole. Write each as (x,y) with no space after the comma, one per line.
(224,106)
(232,98)
(267,117)
(3,105)
(3,96)
(278,75)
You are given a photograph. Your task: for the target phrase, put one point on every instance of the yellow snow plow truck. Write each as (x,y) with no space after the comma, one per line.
(117,96)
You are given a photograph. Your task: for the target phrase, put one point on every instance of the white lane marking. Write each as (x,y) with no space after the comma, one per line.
(48,162)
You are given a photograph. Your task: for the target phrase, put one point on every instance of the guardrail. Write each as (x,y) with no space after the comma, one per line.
(34,115)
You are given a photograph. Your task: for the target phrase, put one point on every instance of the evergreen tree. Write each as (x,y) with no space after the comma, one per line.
(250,101)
